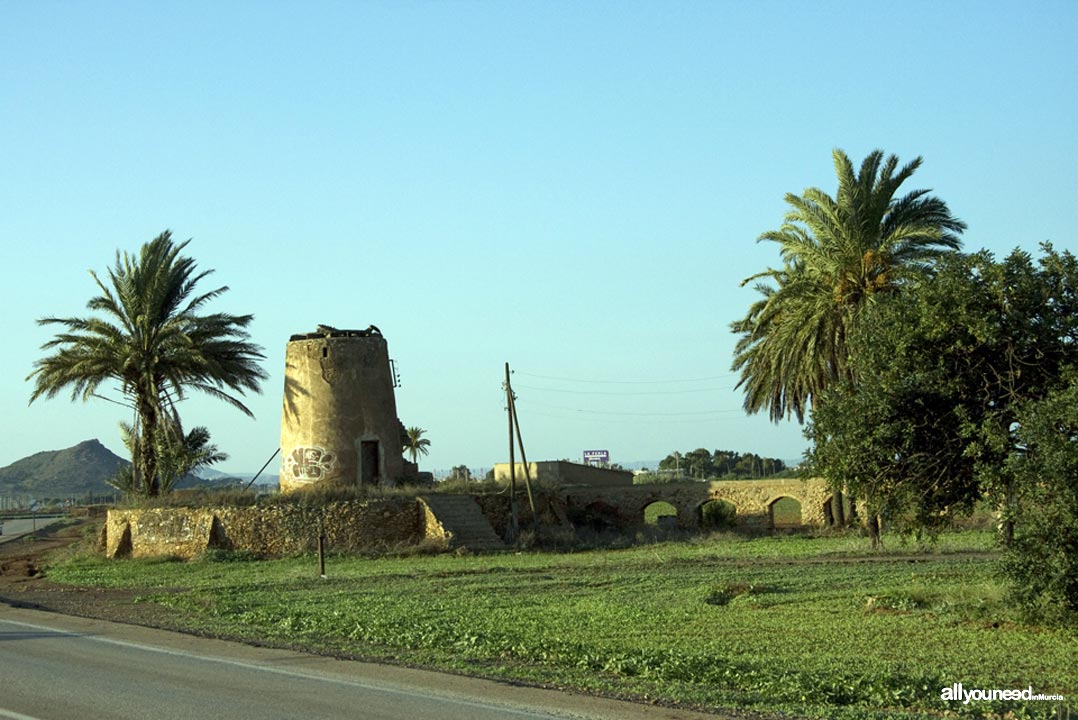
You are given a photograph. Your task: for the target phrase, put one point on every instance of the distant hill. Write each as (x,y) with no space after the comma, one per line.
(266,478)
(75,471)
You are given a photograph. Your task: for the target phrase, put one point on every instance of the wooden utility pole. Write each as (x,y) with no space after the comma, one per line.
(514,525)
(523,457)
(257,474)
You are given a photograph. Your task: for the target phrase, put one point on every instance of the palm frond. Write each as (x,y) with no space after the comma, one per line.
(151,339)
(838,253)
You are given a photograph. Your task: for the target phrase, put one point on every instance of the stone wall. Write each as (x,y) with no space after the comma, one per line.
(271,530)
(375,524)
(549,506)
(753,500)
(565,473)
(432,529)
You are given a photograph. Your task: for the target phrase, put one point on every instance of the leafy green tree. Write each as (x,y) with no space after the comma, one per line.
(924,425)
(694,464)
(671,465)
(417,444)
(151,340)
(702,464)
(698,463)
(839,254)
(749,465)
(725,461)
(718,515)
(1042,562)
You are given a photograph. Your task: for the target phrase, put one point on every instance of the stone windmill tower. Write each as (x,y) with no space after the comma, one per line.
(339,424)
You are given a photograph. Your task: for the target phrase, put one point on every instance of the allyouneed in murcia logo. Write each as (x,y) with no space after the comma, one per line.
(958,693)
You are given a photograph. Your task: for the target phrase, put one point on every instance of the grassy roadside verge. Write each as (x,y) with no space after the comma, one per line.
(811,627)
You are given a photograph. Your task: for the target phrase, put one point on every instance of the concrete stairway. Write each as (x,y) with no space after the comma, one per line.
(459,520)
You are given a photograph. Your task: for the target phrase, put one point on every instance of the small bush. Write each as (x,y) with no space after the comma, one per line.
(718,515)
(724,594)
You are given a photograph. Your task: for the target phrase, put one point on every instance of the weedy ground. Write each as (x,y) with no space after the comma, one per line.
(798,625)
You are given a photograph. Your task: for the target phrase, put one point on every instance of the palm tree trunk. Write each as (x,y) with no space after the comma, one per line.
(148,449)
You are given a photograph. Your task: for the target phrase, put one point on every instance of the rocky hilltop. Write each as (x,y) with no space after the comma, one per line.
(73,471)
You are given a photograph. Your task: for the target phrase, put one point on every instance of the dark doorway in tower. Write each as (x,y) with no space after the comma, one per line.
(368,462)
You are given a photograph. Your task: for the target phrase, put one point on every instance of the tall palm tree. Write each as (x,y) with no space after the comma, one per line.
(151,340)
(838,255)
(417,444)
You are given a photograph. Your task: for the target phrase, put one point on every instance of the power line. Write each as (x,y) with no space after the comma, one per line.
(610,392)
(629,421)
(639,414)
(624,382)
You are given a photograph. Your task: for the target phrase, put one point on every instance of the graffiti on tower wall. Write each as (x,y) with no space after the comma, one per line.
(309,464)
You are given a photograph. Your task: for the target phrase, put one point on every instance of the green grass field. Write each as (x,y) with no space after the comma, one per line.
(815,627)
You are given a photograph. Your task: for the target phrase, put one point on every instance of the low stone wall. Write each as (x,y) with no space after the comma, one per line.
(753,500)
(431,527)
(359,526)
(549,506)
(565,473)
(271,530)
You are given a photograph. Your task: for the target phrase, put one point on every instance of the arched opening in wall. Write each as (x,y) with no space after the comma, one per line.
(785,512)
(717,515)
(598,516)
(660,513)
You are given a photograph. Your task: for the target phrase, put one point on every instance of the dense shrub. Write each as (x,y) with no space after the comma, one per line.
(1042,562)
(718,515)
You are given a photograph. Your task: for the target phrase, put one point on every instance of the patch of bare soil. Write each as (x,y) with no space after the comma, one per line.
(24,581)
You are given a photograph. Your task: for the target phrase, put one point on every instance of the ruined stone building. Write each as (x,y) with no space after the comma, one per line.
(339,422)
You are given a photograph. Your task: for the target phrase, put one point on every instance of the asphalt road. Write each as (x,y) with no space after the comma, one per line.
(14,528)
(55,667)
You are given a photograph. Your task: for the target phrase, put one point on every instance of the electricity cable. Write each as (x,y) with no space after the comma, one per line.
(624,382)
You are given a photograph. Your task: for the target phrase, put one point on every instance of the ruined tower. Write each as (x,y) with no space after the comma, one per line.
(339,423)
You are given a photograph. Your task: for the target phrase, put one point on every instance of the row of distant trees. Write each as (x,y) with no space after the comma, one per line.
(699,464)
(703,464)
(930,379)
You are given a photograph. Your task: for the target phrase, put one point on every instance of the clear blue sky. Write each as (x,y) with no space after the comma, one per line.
(575,188)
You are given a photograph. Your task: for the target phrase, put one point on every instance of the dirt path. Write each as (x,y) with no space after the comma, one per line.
(24,584)
(21,558)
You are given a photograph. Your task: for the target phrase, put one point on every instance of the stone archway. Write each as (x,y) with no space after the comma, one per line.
(600,515)
(751,498)
(785,512)
(660,513)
